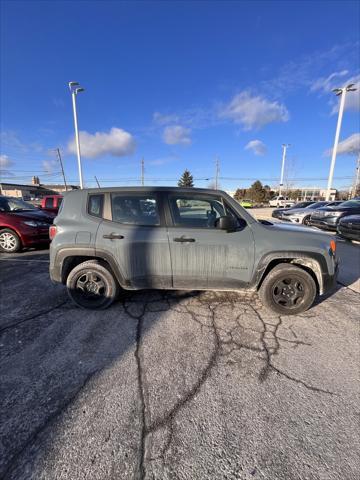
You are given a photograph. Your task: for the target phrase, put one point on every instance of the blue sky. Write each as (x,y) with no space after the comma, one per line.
(179,83)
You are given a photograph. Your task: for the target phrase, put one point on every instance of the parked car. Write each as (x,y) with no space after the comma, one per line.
(349,227)
(302,215)
(246,203)
(328,218)
(281,201)
(194,239)
(22,225)
(51,203)
(278,212)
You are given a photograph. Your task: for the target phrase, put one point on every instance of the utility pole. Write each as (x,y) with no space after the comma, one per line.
(285,147)
(342,92)
(356,178)
(142,172)
(75,89)
(62,168)
(97,181)
(217,172)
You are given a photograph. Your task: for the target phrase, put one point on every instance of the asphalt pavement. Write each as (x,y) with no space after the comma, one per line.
(176,385)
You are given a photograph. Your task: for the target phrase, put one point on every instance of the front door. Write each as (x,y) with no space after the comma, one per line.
(137,238)
(202,255)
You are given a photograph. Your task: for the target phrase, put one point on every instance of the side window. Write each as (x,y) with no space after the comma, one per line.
(197,211)
(135,209)
(49,203)
(95,205)
(59,201)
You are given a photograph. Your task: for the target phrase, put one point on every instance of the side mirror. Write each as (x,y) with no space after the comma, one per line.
(227,223)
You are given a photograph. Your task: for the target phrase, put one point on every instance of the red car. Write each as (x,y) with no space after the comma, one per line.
(22,225)
(51,203)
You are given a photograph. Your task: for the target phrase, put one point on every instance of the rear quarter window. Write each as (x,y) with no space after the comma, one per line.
(96,205)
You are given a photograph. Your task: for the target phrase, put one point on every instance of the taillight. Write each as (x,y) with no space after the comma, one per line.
(52,231)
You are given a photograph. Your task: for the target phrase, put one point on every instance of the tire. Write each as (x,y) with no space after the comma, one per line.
(91,285)
(9,241)
(306,220)
(288,290)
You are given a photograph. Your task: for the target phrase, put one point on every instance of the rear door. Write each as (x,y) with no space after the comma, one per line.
(134,233)
(202,255)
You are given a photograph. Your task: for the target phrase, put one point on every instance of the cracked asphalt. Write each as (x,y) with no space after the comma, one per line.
(176,385)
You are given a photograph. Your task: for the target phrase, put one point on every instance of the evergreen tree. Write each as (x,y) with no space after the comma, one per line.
(240,194)
(257,192)
(186,180)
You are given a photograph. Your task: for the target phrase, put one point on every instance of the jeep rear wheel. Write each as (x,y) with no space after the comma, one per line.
(288,290)
(91,285)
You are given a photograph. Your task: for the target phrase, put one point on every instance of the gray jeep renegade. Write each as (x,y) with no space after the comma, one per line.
(108,239)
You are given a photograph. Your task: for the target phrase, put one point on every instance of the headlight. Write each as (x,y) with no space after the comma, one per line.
(332,214)
(31,223)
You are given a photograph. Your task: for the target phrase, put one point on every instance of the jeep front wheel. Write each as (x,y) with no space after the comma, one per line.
(288,290)
(91,285)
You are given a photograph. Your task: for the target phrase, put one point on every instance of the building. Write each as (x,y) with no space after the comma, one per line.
(33,190)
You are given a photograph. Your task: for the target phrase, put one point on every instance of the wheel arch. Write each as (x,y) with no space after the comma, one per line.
(67,259)
(306,261)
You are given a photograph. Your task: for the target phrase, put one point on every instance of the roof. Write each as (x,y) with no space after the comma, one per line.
(28,186)
(148,189)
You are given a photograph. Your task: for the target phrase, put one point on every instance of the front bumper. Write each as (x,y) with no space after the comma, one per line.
(329,280)
(35,236)
(323,223)
(292,219)
(350,233)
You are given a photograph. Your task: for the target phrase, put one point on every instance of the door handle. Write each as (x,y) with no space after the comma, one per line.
(114,236)
(184,239)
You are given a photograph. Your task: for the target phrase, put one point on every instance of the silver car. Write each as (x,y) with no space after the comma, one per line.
(302,215)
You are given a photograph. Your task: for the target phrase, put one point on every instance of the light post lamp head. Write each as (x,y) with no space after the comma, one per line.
(80,89)
(350,88)
(72,85)
(338,91)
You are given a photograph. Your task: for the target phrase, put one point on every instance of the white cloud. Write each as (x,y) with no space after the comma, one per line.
(349,146)
(177,135)
(5,161)
(326,84)
(254,111)
(257,147)
(116,142)
(50,165)
(163,119)
(338,80)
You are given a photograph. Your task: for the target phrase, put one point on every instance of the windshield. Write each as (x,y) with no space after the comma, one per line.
(303,204)
(8,204)
(351,204)
(317,205)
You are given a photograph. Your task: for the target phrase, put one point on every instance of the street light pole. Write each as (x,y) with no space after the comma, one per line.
(75,89)
(342,92)
(285,147)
